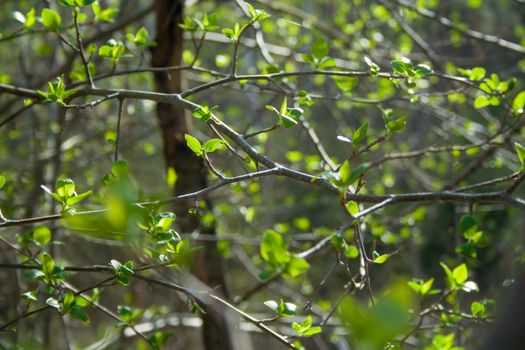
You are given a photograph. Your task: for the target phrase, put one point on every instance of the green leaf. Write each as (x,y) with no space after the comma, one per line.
(78,313)
(284,107)
(397,125)
(65,188)
(352,207)
(311,331)
(359,134)
(120,168)
(141,38)
(212,145)
(326,62)
(381,259)
(477,73)
(320,48)
(288,121)
(48,265)
(76,3)
(351,252)
(460,273)
(51,19)
(481,101)
(2,181)
(422,70)
(345,173)
(164,221)
(358,171)
(477,309)
(41,235)
(273,249)
(30,19)
(193,144)
(203,112)
(468,224)
(402,66)
(112,50)
(427,286)
(74,200)
(296,266)
(519,103)
(105,15)
(520,150)
(69,298)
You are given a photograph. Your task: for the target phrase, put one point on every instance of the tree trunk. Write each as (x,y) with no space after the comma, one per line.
(190,169)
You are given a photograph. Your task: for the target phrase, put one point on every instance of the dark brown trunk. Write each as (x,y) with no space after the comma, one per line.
(190,169)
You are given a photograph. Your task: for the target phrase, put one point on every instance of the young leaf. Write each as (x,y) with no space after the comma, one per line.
(359,134)
(193,144)
(381,259)
(345,173)
(460,273)
(351,252)
(273,249)
(320,48)
(51,19)
(41,235)
(521,154)
(212,145)
(519,103)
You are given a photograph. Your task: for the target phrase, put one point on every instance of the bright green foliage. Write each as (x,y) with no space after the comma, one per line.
(28,20)
(305,329)
(519,103)
(104,15)
(477,73)
(203,112)
(159,338)
(382,137)
(275,252)
(57,91)
(200,149)
(404,66)
(207,23)
(122,271)
(422,287)
(348,176)
(359,135)
(76,3)
(113,50)
(379,258)
(129,314)
(51,19)
(193,144)
(319,55)
(287,116)
(457,278)
(65,194)
(521,154)
(375,326)
(141,38)
(233,33)
(256,14)
(41,235)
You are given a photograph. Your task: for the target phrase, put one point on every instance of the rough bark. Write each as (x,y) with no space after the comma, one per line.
(190,169)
